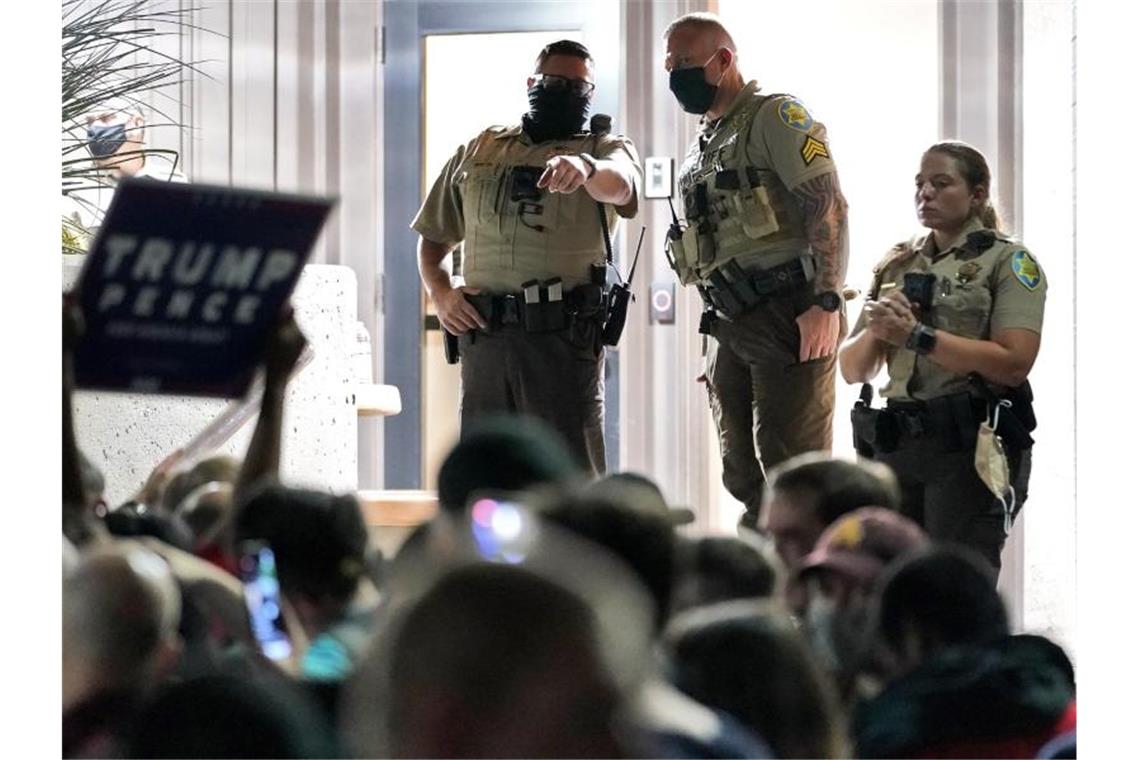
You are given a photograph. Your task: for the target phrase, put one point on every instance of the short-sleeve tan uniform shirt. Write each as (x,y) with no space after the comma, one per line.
(976,294)
(508,240)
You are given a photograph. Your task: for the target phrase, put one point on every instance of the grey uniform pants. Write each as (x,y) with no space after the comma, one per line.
(942,492)
(555,377)
(768,406)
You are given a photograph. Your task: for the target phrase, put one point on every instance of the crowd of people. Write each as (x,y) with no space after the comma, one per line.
(542,612)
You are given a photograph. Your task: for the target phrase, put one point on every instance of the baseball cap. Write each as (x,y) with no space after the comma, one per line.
(861,543)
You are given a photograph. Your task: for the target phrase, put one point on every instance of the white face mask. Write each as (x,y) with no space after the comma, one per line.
(992,465)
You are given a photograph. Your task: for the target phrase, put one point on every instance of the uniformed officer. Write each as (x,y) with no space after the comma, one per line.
(955,316)
(766,246)
(524,202)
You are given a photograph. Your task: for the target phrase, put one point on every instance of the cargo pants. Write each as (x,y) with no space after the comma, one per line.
(767,405)
(555,377)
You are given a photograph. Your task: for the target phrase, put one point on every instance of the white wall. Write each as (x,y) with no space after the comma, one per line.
(287,97)
(1048,229)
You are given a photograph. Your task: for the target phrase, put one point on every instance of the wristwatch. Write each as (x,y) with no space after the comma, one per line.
(828,300)
(590,162)
(921,339)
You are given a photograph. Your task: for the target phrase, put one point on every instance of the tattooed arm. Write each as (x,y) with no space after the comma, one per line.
(825,221)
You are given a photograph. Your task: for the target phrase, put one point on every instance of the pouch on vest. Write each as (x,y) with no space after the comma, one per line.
(757,217)
(678,259)
(691,241)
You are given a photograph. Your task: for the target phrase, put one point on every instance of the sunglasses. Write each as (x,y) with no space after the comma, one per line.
(555,83)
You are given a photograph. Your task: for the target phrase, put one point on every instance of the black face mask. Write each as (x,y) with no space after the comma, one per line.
(554,114)
(691,90)
(106,141)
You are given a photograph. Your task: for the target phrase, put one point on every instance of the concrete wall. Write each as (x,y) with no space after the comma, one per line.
(126,435)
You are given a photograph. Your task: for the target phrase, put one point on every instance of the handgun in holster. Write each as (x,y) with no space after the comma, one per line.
(450,346)
(874,430)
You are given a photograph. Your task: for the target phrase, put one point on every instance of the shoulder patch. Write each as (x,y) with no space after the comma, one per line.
(813,149)
(795,115)
(1025,269)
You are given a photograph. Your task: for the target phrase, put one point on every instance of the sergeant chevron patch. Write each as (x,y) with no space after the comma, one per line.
(813,148)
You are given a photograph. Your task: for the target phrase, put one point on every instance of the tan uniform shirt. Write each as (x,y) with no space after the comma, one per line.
(508,242)
(975,296)
(782,138)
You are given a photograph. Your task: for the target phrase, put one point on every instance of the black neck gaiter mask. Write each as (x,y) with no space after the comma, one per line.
(554,115)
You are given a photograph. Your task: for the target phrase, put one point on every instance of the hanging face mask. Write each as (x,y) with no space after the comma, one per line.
(691,90)
(992,465)
(554,112)
(105,141)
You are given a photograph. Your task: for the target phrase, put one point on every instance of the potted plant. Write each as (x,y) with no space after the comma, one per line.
(109,57)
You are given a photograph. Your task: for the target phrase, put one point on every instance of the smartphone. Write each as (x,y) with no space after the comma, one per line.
(258,568)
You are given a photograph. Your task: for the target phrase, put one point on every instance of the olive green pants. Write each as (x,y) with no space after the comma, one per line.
(555,377)
(768,406)
(942,492)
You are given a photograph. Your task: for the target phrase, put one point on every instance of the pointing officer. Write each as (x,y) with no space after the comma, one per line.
(523,201)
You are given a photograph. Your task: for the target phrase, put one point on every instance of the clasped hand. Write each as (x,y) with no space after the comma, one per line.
(892,318)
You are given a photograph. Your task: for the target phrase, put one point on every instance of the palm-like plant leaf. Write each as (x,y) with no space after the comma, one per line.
(109,55)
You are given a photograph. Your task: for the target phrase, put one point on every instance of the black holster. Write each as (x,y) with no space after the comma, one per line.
(1016,422)
(874,430)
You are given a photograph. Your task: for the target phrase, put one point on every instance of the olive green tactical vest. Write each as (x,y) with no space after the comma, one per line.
(746,208)
(509,241)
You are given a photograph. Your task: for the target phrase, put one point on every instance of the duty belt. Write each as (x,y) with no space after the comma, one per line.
(952,419)
(735,291)
(508,309)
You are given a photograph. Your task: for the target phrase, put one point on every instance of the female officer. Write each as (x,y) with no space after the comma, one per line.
(955,315)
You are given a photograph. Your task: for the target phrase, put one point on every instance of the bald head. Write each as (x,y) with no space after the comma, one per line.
(121,609)
(705,28)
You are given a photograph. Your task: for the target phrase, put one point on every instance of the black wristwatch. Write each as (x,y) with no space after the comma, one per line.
(921,339)
(828,300)
(591,162)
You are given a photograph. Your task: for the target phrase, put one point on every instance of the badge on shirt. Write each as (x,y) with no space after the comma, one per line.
(813,148)
(795,116)
(967,272)
(1025,270)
